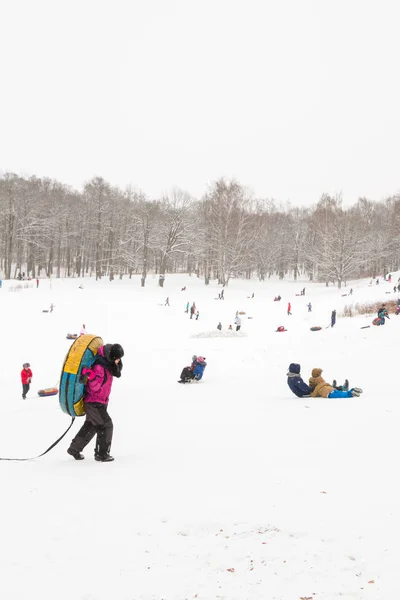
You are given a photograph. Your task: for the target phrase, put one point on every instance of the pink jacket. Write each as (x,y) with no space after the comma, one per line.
(98,387)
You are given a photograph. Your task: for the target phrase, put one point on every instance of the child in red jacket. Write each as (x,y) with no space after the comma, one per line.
(26,378)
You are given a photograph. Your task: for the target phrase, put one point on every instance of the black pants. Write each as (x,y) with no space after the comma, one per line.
(25,389)
(99,422)
(187,374)
(238,327)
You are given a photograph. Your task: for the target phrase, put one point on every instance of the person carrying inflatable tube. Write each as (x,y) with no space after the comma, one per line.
(98,380)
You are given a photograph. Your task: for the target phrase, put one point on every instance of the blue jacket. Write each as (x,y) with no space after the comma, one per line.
(199,370)
(297,385)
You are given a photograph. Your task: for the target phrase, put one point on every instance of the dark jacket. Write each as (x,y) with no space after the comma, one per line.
(295,382)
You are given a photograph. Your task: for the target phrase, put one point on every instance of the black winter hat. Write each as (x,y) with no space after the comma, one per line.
(116,351)
(294,368)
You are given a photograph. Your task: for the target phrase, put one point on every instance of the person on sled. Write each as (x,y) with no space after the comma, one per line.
(195,371)
(320,388)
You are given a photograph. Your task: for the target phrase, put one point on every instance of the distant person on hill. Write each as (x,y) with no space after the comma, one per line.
(320,388)
(238,322)
(351,292)
(183,289)
(195,371)
(167,301)
(187,307)
(277,298)
(289,308)
(37,283)
(192,310)
(219,326)
(1,283)
(333,318)
(222,295)
(309,306)
(83,330)
(197,315)
(382,313)
(377,282)
(26,378)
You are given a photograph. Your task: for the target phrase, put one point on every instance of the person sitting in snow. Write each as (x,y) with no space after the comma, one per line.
(195,371)
(382,313)
(320,388)
(300,388)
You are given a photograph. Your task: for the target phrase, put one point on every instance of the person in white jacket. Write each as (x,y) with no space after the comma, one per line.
(238,322)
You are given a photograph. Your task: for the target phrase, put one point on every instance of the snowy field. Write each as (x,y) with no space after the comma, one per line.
(228,489)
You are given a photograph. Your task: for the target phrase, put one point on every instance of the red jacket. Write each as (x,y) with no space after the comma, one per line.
(26,375)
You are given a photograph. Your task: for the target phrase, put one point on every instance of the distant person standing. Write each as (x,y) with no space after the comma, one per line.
(187,307)
(197,315)
(222,295)
(351,292)
(37,283)
(219,326)
(192,310)
(238,322)
(83,330)
(333,318)
(167,301)
(289,308)
(309,305)
(26,378)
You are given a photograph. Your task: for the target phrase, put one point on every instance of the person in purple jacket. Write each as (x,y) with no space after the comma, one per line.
(98,383)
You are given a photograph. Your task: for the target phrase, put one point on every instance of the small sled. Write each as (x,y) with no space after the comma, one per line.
(72,336)
(48,392)
(45,311)
(365,327)
(316,328)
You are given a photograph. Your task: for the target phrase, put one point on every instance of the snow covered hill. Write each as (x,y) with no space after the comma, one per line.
(230,489)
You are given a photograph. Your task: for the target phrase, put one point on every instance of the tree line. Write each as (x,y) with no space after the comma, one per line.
(47,228)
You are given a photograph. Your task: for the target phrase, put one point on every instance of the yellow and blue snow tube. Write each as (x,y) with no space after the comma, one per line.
(81,354)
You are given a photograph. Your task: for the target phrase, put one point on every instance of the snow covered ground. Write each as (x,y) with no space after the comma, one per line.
(229,489)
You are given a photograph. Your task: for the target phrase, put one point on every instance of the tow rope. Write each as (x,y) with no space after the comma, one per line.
(48,449)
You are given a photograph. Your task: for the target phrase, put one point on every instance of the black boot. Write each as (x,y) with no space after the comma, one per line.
(103,458)
(77,455)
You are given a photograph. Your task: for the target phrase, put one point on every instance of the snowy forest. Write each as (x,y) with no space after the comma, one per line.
(49,229)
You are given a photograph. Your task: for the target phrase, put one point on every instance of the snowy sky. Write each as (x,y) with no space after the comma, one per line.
(292,98)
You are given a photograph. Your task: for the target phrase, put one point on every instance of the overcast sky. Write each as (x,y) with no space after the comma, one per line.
(292,98)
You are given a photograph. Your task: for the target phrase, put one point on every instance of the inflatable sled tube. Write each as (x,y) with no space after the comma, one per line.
(81,354)
(315,328)
(48,392)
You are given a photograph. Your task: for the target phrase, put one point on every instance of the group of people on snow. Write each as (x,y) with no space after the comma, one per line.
(317,386)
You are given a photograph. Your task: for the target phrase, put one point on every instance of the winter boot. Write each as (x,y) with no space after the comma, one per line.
(103,458)
(358,390)
(334,383)
(346,385)
(355,393)
(77,455)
